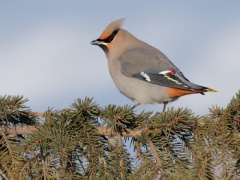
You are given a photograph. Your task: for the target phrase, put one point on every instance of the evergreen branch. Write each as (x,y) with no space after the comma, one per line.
(3,175)
(17,129)
(23,168)
(8,145)
(153,149)
(120,152)
(17,106)
(44,170)
(105,169)
(138,148)
(86,141)
(203,167)
(43,163)
(108,131)
(37,114)
(103,131)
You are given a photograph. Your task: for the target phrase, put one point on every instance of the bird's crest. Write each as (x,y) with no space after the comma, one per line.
(115,25)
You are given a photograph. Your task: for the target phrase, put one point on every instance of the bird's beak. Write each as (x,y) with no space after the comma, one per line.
(98,42)
(94,42)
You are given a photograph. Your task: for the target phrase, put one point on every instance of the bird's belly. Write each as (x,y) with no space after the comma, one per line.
(141,92)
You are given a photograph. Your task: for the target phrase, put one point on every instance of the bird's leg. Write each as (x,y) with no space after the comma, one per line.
(135,105)
(164,106)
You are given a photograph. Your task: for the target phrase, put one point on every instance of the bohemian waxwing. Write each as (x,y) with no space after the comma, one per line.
(141,72)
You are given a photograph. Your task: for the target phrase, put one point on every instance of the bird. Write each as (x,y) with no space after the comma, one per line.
(140,71)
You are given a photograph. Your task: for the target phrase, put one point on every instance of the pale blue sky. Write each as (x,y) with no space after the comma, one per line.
(45,51)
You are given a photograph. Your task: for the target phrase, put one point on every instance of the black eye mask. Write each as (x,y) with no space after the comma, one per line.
(109,38)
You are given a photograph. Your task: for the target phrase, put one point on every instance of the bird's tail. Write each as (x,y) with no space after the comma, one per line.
(200,89)
(206,89)
(176,92)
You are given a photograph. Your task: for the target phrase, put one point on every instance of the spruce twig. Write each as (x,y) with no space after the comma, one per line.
(153,149)
(3,175)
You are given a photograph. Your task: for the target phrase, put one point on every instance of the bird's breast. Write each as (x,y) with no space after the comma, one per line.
(138,90)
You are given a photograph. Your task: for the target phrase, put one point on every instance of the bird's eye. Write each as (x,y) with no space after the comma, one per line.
(109,39)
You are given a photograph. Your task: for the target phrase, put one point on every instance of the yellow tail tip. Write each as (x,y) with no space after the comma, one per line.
(210,90)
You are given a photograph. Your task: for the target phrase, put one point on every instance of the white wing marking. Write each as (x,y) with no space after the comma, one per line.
(147,78)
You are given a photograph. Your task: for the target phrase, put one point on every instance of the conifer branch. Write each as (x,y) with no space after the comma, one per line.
(3,175)
(120,151)
(37,114)
(17,129)
(105,169)
(43,164)
(8,145)
(203,167)
(81,137)
(153,149)
(103,131)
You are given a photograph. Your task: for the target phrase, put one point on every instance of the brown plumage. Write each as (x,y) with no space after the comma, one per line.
(141,72)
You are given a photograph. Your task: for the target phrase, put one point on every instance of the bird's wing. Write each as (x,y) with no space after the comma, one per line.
(154,68)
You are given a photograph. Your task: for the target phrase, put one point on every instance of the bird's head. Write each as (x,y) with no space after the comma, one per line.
(109,35)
